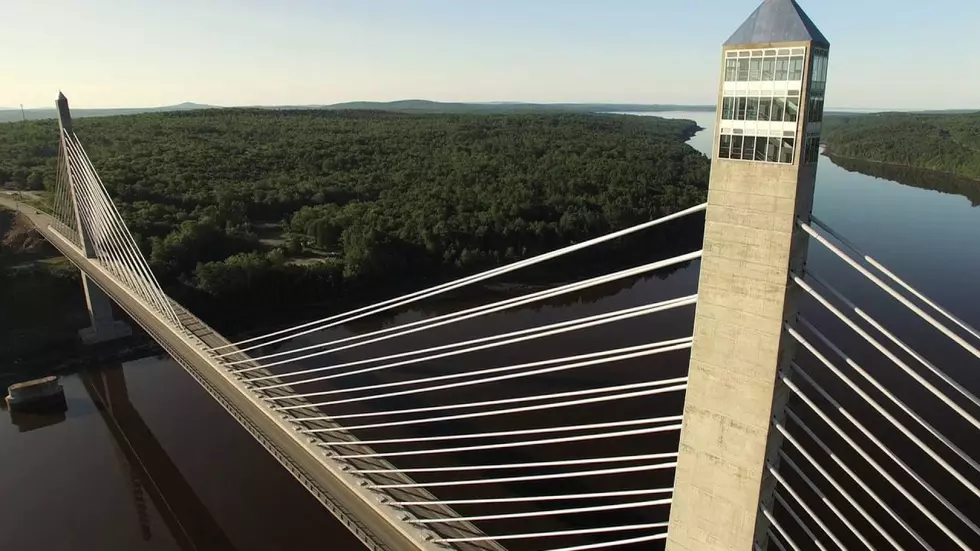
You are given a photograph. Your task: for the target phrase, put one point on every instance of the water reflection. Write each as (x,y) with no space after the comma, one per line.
(915,177)
(149,468)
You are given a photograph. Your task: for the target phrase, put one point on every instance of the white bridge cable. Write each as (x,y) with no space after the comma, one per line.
(462,315)
(518,444)
(504,339)
(615,543)
(860,482)
(870,260)
(518,400)
(806,508)
(824,499)
(128,264)
(799,521)
(107,244)
(932,491)
(60,199)
(487,371)
(531,514)
(140,262)
(598,358)
(536,464)
(555,497)
(772,520)
(441,288)
(59,206)
(891,397)
(104,239)
(522,432)
(881,348)
(528,478)
(871,321)
(888,289)
(833,481)
(578,532)
(93,219)
(107,235)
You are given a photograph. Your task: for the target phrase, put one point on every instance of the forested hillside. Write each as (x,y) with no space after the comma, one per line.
(948,143)
(303,204)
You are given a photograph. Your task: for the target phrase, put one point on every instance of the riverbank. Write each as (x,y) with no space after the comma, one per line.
(829,151)
(43,308)
(941,142)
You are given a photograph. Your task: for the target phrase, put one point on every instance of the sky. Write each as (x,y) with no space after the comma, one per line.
(888,54)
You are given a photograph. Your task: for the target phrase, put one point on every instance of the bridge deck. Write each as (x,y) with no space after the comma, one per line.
(365,512)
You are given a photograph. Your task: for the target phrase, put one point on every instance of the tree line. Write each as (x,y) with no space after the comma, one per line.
(280,206)
(943,142)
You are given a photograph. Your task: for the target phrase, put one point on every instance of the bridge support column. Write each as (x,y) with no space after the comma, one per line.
(762,180)
(104,326)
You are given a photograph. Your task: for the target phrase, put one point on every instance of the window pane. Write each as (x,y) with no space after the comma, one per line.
(786,152)
(792,109)
(760,149)
(743,70)
(782,66)
(755,70)
(748,149)
(772,152)
(796,68)
(752,109)
(765,108)
(740,109)
(725,148)
(768,68)
(731,66)
(728,109)
(736,147)
(778,108)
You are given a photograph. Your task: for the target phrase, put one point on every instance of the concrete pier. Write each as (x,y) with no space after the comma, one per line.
(37,395)
(104,327)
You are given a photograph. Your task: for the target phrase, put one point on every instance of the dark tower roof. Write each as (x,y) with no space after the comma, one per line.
(777,21)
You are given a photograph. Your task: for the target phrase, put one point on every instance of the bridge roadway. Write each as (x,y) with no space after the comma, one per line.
(379,526)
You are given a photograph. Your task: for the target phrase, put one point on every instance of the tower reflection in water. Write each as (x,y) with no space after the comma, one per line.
(146,465)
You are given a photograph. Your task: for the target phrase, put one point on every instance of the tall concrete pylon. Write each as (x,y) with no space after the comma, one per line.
(104,326)
(763,170)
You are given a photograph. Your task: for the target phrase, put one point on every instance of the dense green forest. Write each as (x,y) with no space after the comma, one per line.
(283,206)
(405,106)
(944,142)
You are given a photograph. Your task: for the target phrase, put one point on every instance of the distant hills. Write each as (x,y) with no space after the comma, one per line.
(405,106)
(14,114)
(11,114)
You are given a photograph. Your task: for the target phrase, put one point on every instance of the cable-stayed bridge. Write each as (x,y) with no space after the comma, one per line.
(764,429)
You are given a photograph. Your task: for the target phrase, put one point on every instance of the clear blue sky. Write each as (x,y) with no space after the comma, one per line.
(884,53)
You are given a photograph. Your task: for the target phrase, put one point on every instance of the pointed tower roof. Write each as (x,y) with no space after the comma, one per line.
(777,21)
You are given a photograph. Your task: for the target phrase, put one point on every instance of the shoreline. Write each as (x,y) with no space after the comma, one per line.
(829,153)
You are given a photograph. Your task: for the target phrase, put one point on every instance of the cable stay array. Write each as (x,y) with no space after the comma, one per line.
(846,475)
(80,200)
(486,423)
(282,335)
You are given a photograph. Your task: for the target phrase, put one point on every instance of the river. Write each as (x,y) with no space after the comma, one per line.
(69,484)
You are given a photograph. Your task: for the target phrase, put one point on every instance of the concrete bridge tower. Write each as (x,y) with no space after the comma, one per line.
(104,327)
(770,106)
